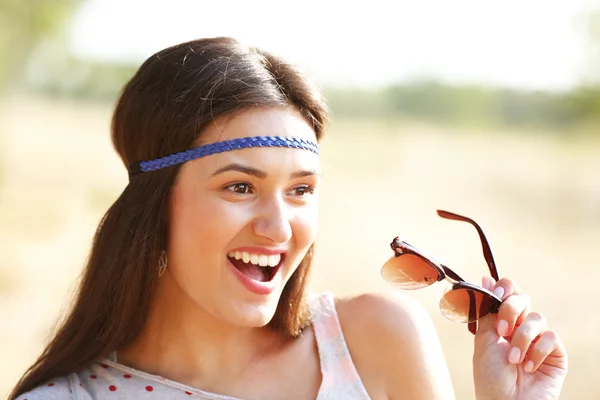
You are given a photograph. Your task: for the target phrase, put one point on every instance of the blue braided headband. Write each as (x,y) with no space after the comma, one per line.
(219,147)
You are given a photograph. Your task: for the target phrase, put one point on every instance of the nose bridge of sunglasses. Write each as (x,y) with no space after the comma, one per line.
(452,275)
(450,280)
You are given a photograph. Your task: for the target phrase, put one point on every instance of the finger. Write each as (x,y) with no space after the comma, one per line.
(487,282)
(511,313)
(547,349)
(524,335)
(505,287)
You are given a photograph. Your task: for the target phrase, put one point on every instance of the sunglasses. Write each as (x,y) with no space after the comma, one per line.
(411,269)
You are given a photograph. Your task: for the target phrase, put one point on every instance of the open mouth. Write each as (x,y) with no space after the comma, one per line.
(258,267)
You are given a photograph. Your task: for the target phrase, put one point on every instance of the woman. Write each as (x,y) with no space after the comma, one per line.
(196,281)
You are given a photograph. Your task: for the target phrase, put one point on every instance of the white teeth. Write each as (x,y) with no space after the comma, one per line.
(256,259)
(273,260)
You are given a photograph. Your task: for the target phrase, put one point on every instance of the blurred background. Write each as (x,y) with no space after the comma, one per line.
(487,109)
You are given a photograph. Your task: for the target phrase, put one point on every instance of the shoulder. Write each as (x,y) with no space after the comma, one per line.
(60,388)
(394,346)
(377,322)
(387,314)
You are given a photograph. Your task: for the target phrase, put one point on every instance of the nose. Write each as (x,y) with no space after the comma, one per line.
(274,220)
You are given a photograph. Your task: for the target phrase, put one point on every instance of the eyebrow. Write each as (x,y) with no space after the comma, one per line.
(258,173)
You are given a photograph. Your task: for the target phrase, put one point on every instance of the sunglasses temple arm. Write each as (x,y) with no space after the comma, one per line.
(487,251)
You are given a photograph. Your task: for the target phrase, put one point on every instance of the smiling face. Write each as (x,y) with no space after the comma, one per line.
(242,221)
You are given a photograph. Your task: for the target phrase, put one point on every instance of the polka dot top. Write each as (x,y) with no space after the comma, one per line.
(108,379)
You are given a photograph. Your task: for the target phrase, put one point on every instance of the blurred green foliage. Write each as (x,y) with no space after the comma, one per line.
(58,74)
(31,47)
(473,105)
(431,101)
(23,24)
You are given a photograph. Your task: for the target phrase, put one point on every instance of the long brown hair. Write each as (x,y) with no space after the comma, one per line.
(162,110)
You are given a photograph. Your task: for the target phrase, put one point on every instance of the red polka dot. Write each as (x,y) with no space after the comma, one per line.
(149,388)
(127,376)
(188,393)
(93,376)
(51,384)
(112,388)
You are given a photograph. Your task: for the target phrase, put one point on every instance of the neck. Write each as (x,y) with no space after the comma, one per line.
(182,342)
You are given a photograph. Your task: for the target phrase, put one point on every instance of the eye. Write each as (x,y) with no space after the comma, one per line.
(240,188)
(302,191)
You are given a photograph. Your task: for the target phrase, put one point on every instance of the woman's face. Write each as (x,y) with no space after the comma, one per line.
(241,221)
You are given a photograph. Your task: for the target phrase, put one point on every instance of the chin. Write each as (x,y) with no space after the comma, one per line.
(253,315)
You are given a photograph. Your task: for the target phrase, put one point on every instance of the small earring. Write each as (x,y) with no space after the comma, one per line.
(162,264)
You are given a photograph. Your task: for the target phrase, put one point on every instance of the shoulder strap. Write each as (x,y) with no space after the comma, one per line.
(338,370)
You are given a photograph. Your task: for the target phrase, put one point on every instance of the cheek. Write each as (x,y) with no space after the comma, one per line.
(306,226)
(201,223)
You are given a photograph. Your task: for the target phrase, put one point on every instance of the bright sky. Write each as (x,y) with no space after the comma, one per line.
(532,43)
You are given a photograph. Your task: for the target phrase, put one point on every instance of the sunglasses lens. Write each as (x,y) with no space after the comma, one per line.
(409,271)
(465,305)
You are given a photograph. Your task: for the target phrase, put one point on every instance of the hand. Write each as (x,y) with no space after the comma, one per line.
(516,356)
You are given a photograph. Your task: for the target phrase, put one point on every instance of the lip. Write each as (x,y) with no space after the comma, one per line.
(259,250)
(256,287)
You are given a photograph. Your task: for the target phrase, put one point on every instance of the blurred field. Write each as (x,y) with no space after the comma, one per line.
(537,199)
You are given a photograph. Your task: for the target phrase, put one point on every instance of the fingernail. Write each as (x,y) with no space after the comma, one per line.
(514,356)
(499,292)
(503,328)
(528,366)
